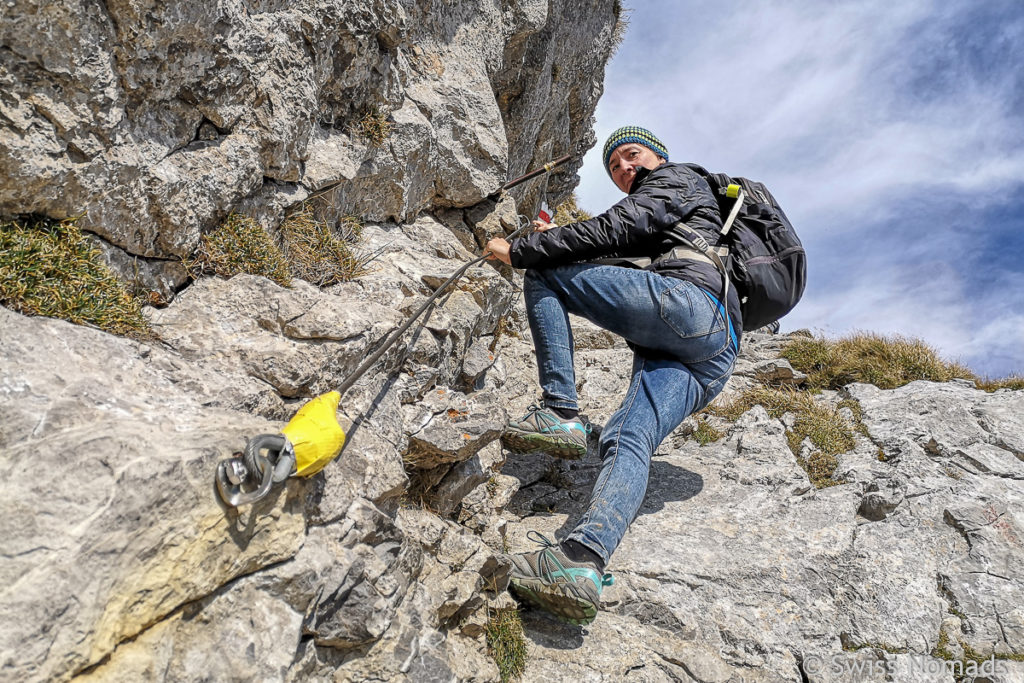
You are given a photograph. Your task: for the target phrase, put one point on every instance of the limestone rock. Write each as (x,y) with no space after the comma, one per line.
(881,498)
(463,478)
(188,115)
(778,371)
(479,359)
(358,605)
(300,341)
(144,448)
(245,633)
(121,564)
(370,465)
(450,427)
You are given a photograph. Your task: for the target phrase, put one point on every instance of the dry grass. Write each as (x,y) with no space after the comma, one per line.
(319,254)
(506,642)
(1014,382)
(621,26)
(886,362)
(374,127)
(823,425)
(570,212)
(239,245)
(48,268)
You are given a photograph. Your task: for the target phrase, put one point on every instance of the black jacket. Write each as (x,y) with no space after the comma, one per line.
(638,226)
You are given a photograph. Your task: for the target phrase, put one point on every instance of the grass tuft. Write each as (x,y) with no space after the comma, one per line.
(506,642)
(886,362)
(706,433)
(374,127)
(570,212)
(1014,382)
(48,268)
(823,425)
(621,26)
(239,245)
(320,255)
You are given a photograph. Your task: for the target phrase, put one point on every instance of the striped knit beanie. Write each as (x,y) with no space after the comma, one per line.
(628,134)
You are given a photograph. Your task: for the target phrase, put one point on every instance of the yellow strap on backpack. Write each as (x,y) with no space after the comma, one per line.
(315,434)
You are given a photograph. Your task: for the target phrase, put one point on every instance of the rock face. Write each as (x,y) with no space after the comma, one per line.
(153,121)
(737,568)
(120,563)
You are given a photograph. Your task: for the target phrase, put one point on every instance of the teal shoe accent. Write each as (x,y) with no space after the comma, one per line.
(546,578)
(542,430)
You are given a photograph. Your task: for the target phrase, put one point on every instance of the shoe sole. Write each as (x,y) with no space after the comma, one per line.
(562,607)
(528,442)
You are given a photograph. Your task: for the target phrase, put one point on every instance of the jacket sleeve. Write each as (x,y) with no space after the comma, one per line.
(632,227)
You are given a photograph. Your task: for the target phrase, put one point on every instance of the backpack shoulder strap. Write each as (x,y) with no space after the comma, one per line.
(696,242)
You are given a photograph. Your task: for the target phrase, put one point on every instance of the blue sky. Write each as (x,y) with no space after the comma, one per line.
(892,134)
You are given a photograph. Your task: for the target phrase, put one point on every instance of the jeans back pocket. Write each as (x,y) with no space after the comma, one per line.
(689,312)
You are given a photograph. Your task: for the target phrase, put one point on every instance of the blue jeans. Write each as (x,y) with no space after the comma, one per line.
(683,356)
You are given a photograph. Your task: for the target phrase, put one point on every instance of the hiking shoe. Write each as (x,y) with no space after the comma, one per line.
(542,430)
(546,578)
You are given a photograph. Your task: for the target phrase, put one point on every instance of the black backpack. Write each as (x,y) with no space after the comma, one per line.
(766,262)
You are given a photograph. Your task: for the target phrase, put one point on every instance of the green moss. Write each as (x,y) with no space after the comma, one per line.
(319,254)
(48,268)
(891,649)
(506,642)
(959,665)
(239,245)
(705,433)
(941,649)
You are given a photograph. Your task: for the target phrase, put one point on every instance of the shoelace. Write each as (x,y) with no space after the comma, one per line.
(541,418)
(548,559)
(544,418)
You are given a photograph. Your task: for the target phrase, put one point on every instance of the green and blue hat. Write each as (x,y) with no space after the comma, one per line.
(628,134)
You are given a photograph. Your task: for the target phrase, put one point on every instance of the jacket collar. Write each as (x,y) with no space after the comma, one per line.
(641,176)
